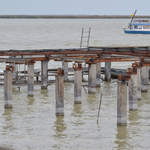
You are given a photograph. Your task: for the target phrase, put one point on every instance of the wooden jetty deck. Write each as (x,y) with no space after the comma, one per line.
(137,77)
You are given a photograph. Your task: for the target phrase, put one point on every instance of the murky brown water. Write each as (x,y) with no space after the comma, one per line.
(32,124)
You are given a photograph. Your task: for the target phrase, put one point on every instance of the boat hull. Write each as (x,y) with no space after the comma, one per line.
(137,31)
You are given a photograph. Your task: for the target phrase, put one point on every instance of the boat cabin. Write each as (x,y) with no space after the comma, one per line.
(139,24)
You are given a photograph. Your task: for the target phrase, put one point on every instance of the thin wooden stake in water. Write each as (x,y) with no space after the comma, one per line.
(99,108)
(84,89)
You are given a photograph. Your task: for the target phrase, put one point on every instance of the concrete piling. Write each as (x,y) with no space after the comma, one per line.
(8,88)
(77,84)
(137,68)
(31,78)
(44,75)
(92,78)
(144,79)
(98,74)
(122,100)
(59,92)
(132,86)
(65,67)
(139,83)
(107,71)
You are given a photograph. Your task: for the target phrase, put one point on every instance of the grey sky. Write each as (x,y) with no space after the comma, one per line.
(74,7)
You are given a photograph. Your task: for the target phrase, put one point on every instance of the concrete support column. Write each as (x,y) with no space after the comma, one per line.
(44,75)
(8,89)
(98,74)
(65,67)
(132,85)
(31,79)
(59,92)
(144,79)
(121,103)
(77,84)
(107,71)
(139,83)
(147,68)
(92,79)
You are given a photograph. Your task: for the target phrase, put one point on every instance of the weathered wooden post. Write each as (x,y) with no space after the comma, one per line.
(44,75)
(107,71)
(31,78)
(92,77)
(65,67)
(122,100)
(132,86)
(77,83)
(98,74)
(59,92)
(8,86)
(137,67)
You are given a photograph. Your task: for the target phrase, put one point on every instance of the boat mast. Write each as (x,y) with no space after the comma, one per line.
(133,15)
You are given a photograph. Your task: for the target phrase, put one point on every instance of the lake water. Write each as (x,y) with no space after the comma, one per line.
(32,125)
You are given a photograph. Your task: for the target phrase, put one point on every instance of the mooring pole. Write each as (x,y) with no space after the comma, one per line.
(59,92)
(122,100)
(77,83)
(8,87)
(44,75)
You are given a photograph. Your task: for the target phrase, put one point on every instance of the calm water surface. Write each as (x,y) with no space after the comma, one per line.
(32,124)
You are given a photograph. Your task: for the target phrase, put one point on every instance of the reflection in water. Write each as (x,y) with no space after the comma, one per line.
(121,137)
(44,92)
(8,125)
(60,127)
(31,100)
(134,117)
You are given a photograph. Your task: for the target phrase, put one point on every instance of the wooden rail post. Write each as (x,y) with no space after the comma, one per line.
(44,75)
(132,86)
(59,92)
(122,100)
(8,86)
(31,78)
(98,74)
(77,83)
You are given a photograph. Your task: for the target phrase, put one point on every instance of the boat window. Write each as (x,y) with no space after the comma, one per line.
(139,27)
(146,26)
(135,27)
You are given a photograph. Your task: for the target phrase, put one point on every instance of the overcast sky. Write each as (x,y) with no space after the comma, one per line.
(74,7)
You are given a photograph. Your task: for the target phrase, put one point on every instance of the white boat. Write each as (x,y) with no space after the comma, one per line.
(138,26)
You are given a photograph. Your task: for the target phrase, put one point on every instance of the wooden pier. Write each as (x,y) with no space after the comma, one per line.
(137,77)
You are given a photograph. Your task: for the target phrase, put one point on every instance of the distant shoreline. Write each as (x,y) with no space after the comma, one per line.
(69,16)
